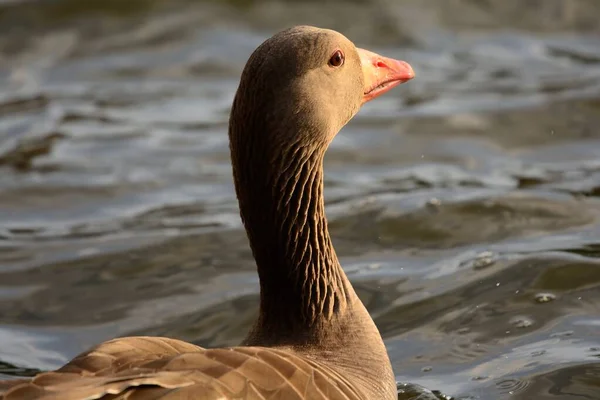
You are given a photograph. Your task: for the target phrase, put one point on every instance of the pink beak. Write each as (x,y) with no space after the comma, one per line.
(382,73)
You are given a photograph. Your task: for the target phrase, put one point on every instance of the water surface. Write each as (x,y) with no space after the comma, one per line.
(463,205)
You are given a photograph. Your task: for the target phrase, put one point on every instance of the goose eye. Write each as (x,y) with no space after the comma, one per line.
(337,59)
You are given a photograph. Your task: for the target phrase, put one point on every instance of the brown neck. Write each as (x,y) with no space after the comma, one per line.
(282,206)
(306,301)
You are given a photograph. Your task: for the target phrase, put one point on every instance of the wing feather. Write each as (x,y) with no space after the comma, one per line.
(149,368)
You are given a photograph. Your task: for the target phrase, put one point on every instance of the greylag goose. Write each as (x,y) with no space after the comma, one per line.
(314,338)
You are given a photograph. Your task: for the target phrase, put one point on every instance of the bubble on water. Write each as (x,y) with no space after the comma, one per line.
(544,297)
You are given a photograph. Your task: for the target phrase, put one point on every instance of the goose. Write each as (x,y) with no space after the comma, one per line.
(313,339)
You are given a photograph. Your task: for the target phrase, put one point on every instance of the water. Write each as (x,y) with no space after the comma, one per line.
(464,205)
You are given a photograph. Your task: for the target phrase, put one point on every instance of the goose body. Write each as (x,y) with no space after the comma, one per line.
(314,339)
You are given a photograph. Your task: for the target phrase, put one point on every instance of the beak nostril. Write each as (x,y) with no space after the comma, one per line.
(380,64)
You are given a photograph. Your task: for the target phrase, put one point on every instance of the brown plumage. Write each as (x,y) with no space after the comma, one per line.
(313,339)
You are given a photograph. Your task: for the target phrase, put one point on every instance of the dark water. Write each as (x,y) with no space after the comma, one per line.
(464,205)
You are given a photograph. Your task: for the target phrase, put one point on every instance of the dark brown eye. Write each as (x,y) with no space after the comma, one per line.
(337,59)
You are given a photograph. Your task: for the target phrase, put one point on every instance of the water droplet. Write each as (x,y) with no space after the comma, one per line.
(433,204)
(426,369)
(434,201)
(544,297)
(521,322)
(484,260)
(479,378)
